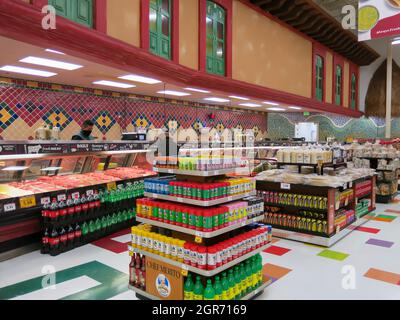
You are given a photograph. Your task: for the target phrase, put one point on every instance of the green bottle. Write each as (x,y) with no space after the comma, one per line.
(114,218)
(225,287)
(242,280)
(260,268)
(188,288)
(209,292)
(92,226)
(98,224)
(104,223)
(198,289)
(218,288)
(232,284)
(249,282)
(109,221)
(85,229)
(254,272)
(238,282)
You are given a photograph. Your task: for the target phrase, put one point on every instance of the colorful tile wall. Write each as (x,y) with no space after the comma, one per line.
(24,106)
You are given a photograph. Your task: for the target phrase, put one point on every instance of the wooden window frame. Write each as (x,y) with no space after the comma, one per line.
(354,69)
(318,50)
(338,61)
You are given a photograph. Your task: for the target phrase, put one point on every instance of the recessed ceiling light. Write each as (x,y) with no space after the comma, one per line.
(252,105)
(174,93)
(55,51)
(214,99)
(114,84)
(15,168)
(275,109)
(51,63)
(197,90)
(396,41)
(136,78)
(239,98)
(295,108)
(271,103)
(51,169)
(32,72)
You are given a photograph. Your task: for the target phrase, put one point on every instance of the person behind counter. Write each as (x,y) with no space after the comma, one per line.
(86,131)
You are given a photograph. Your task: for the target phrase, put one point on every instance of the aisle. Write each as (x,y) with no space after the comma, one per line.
(299,271)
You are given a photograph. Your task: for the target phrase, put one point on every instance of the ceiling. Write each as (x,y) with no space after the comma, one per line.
(308,17)
(13,51)
(334,8)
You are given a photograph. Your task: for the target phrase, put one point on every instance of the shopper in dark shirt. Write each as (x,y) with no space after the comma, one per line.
(86,131)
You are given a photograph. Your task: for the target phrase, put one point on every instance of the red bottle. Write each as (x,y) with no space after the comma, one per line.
(54,213)
(211,258)
(54,243)
(71,237)
(45,242)
(63,240)
(218,255)
(201,257)
(78,235)
(63,211)
(132,273)
(78,208)
(46,212)
(70,209)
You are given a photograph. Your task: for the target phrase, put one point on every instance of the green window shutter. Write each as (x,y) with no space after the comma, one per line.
(160,28)
(80,11)
(353,91)
(319,78)
(216,38)
(338,85)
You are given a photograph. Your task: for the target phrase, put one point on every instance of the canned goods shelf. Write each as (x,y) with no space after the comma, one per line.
(206,273)
(209,173)
(197,233)
(198,202)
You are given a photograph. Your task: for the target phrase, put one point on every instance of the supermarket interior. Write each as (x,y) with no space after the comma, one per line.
(199,150)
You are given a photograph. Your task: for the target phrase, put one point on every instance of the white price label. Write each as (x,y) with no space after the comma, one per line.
(9,207)
(351,184)
(185,267)
(180,200)
(89,192)
(285,186)
(75,195)
(199,234)
(61,197)
(45,200)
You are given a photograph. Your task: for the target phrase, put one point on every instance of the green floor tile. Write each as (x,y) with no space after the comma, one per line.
(384,216)
(333,255)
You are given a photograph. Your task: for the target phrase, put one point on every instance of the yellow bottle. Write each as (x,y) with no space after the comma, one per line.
(161,245)
(139,239)
(181,244)
(133,234)
(155,243)
(174,249)
(150,242)
(167,247)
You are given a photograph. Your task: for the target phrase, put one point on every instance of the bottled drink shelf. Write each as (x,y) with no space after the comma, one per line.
(206,273)
(200,233)
(200,203)
(209,173)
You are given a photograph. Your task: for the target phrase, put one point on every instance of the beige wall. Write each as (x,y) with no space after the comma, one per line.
(189,33)
(346,83)
(123,20)
(268,54)
(329,75)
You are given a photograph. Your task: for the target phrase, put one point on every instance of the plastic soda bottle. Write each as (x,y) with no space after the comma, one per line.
(218,288)
(231,281)
(225,287)
(198,289)
(188,288)
(209,292)
(249,283)
(238,282)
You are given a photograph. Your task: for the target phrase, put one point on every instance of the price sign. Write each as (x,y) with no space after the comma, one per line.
(198,239)
(27,202)
(75,195)
(45,200)
(111,186)
(61,197)
(89,192)
(184,270)
(285,186)
(9,207)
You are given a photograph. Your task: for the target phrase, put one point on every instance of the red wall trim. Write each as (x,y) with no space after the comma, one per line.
(100,17)
(23,23)
(337,60)
(228,6)
(322,52)
(99,13)
(145,27)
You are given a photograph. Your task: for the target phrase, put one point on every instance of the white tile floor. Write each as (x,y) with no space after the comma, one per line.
(311,276)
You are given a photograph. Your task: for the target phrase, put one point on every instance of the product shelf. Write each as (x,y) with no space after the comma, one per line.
(200,203)
(206,273)
(197,233)
(198,173)
(270,204)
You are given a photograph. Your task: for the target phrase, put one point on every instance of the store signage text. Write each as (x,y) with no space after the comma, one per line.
(164,269)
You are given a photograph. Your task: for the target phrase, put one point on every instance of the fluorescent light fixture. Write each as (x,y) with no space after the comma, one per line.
(214,99)
(275,109)
(295,108)
(15,168)
(51,63)
(136,78)
(114,84)
(55,51)
(252,105)
(396,41)
(239,98)
(197,90)
(32,72)
(51,169)
(271,103)
(174,93)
